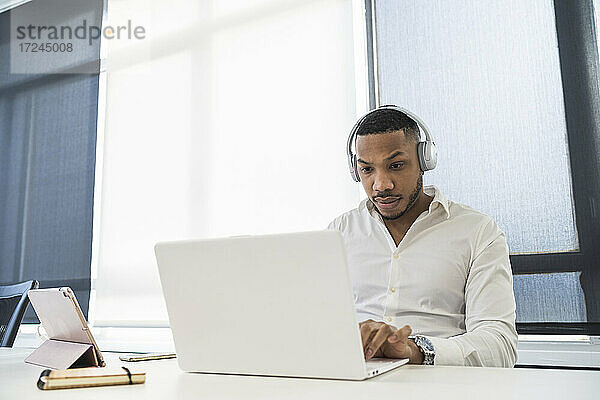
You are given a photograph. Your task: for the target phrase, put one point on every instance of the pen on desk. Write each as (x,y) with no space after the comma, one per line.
(88,377)
(147,357)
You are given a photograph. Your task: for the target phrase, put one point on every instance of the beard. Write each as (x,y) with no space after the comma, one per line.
(412,199)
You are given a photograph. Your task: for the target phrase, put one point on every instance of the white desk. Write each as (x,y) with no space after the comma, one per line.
(164,381)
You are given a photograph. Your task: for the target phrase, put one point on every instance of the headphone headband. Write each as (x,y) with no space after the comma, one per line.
(426,149)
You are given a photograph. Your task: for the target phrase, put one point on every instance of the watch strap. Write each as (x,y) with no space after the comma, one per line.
(426,348)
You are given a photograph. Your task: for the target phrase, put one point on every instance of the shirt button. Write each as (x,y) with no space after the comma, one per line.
(389,319)
(396,256)
(392,290)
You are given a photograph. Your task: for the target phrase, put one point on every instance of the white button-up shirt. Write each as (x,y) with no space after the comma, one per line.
(449,279)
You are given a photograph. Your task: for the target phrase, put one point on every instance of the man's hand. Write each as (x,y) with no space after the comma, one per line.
(382,340)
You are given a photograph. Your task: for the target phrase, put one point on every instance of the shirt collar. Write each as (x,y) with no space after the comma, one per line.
(438,197)
(367,206)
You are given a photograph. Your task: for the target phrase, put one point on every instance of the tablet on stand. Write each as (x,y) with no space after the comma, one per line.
(70,343)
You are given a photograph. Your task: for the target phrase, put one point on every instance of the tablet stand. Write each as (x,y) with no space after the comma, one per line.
(60,354)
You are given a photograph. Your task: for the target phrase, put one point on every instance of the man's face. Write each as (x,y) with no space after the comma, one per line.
(389,172)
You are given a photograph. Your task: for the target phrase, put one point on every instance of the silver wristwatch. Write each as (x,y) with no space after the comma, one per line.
(426,348)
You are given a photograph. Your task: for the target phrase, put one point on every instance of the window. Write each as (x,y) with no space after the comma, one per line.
(47,155)
(229,118)
(510,93)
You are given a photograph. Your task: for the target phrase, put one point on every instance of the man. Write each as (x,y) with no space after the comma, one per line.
(420,263)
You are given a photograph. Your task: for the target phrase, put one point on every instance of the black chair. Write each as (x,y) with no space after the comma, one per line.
(13,302)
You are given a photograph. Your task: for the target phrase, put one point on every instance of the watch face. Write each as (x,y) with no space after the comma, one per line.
(427,348)
(427,345)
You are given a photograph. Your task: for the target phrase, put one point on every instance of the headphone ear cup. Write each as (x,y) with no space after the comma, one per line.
(421,156)
(427,154)
(355,175)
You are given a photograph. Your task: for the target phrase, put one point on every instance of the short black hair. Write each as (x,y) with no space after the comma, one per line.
(386,120)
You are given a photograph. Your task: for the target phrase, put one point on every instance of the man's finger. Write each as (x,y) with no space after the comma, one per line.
(378,340)
(366,322)
(367,331)
(401,334)
(405,331)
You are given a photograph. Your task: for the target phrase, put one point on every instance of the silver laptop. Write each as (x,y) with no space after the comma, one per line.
(278,305)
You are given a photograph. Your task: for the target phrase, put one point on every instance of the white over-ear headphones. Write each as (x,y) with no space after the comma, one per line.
(426,150)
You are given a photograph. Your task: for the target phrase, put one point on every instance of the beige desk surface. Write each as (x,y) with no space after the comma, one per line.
(164,381)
